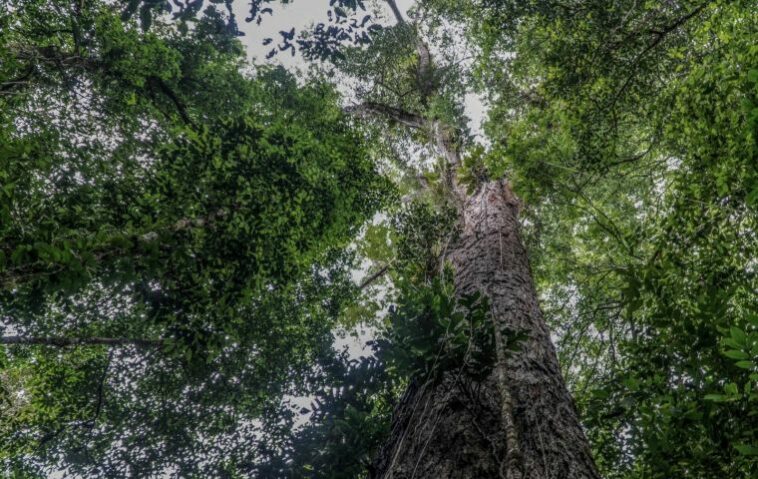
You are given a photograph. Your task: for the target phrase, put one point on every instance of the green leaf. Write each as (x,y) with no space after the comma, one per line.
(735,354)
(738,335)
(745,364)
(601,393)
(747,449)
(732,343)
(715,397)
(731,389)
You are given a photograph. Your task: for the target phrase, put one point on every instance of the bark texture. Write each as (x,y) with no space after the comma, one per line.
(521,422)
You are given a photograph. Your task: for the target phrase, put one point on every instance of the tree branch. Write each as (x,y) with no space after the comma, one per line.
(369,109)
(425,74)
(18,274)
(14,83)
(396,11)
(61,342)
(53,56)
(101,391)
(368,281)
(425,58)
(161,85)
(659,36)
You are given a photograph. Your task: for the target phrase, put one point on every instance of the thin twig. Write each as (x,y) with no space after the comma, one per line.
(367,282)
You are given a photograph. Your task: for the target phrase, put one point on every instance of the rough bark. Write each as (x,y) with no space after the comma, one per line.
(521,422)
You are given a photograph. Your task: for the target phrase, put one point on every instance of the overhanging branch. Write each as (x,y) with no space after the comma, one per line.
(373,109)
(660,35)
(373,277)
(60,341)
(396,11)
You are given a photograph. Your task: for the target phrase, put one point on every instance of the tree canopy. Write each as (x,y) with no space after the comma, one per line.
(181,231)
(178,222)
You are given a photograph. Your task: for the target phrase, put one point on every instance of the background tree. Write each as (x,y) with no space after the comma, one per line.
(172,241)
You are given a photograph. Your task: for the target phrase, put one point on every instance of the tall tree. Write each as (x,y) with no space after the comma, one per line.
(629,128)
(625,125)
(519,421)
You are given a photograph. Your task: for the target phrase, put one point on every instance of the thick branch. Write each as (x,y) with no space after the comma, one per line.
(425,57)
(59,341)
(169,93)
(396,11)
(425,74)
(372,109)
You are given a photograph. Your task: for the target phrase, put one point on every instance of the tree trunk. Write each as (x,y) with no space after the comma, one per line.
(521,422)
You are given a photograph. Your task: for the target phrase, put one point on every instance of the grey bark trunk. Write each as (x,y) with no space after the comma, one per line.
(521,422)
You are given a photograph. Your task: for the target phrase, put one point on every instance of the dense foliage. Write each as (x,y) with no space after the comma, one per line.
(182,222)
(180,231)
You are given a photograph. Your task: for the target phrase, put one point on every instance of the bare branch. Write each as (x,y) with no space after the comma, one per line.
(101,391)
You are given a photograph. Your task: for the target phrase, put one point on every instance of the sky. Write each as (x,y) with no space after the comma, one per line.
(299,14)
